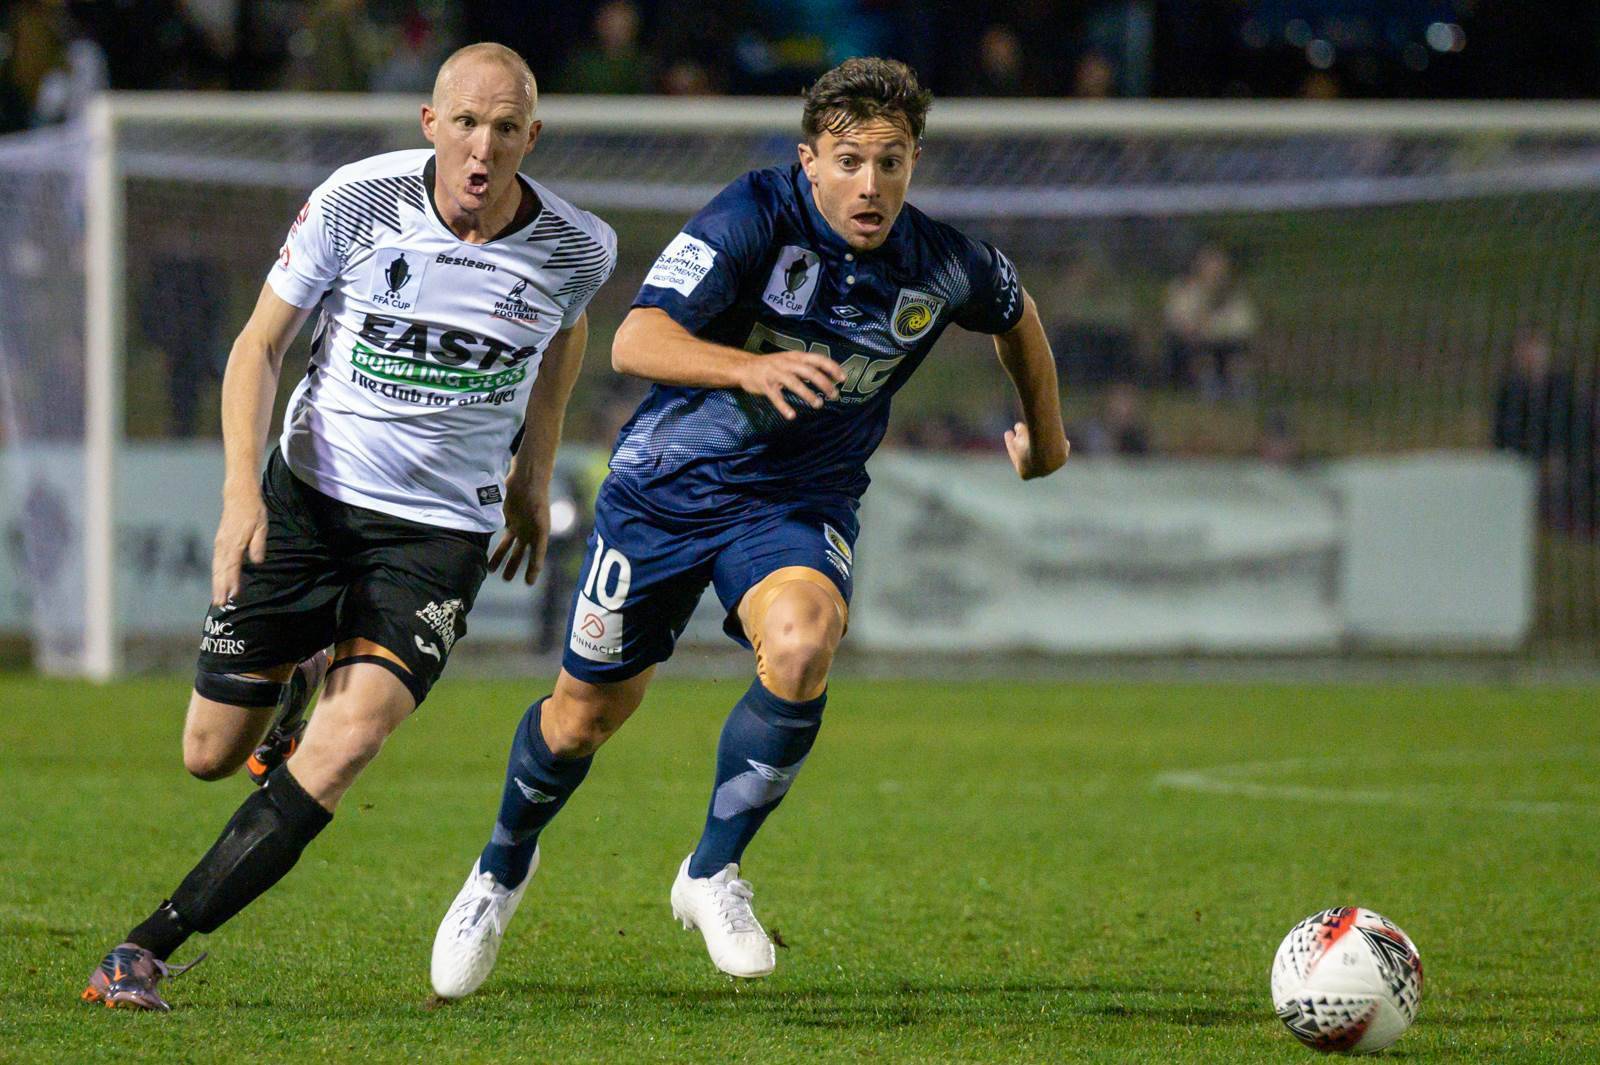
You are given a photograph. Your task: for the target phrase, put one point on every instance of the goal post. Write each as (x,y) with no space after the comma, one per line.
(1471,209)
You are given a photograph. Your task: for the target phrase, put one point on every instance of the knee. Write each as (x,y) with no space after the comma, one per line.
(797,645)
(208,759)
(335,751)
(572,728)
(796,665)
(580,716)
(351,748)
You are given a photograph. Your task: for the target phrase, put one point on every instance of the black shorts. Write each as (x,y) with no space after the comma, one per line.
(336,572)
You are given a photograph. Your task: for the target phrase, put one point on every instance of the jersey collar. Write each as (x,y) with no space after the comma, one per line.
(893,250)
(430,171)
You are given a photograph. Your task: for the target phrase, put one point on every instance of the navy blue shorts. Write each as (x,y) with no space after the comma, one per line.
(645,571)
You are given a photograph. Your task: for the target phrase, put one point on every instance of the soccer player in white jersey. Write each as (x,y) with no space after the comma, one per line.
(451,293)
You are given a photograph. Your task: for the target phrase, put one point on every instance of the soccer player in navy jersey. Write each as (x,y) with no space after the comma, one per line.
(776,326)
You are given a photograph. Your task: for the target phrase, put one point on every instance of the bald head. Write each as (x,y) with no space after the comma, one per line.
(481,124)
(474,57)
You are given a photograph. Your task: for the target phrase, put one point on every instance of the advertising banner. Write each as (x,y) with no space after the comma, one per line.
(955,554)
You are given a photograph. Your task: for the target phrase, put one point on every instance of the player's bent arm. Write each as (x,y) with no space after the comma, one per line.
(250,384)
(547,405)
(1038,446)
(248,388)
(527,505)
(649,344)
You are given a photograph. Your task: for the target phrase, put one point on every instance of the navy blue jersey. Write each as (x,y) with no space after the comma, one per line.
(759,268)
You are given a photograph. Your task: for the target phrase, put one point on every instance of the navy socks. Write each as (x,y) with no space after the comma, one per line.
(538,784)
(764,743)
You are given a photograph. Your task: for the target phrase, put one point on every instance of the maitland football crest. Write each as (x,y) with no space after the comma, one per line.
(914,314)
(513,307)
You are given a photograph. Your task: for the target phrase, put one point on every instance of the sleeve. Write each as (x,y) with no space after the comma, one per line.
(995,302)
(595,277)
(698,275)
(308,263)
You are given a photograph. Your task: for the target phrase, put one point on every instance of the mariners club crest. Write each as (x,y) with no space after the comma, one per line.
(914,314)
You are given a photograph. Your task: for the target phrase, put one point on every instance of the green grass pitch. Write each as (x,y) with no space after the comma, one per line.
(977,872)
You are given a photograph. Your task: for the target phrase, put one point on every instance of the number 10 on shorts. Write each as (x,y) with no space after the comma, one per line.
(597,620)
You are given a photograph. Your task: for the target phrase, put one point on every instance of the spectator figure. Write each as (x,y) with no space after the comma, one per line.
(1001,70)
(1118,428)
(612,63)
(686,78)
(34,35)
(1321,85)
(1095,77)
(181,315)
(1535,413)
(416,47)
(1096,345)
(1278,445)
(1210,321)
(336,49)
(1585,467)
(153,44)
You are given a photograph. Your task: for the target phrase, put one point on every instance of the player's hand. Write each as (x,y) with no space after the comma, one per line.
(527,534)
(241,534)
(1028,462)
(813,378)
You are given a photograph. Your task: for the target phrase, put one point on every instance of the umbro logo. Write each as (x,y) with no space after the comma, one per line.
(770,772)
(847,312)
(531,793)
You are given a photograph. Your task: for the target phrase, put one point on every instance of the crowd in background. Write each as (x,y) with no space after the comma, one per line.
(53,51)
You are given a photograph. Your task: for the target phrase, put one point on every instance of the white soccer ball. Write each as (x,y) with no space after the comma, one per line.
(1347,981)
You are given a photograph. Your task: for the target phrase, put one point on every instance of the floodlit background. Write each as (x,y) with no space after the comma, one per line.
(1329,364)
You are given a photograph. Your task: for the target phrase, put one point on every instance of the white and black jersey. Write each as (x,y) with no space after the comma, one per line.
(426,346)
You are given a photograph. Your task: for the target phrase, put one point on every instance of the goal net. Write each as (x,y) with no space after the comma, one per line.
(1251,283)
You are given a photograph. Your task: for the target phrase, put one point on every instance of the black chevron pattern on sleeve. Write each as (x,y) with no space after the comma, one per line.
(577,251)
(355,209)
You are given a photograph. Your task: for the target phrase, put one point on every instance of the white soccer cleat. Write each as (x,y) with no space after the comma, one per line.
(720,907)
(468,940)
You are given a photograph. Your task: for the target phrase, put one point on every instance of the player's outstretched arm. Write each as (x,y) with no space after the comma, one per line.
(649,344)
(248,388)
(527,506)
(1037,444)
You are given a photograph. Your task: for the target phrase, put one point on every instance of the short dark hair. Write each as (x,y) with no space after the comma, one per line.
(860,90)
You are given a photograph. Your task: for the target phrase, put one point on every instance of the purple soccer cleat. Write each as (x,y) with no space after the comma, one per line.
(128,977)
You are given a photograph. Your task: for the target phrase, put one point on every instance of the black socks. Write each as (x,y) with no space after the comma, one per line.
(261,843)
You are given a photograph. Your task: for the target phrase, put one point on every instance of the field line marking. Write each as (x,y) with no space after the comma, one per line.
(1242,779)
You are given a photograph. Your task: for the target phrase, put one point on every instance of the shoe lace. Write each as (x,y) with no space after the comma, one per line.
(480,905)
(168,970)
(732,899)
(173,971)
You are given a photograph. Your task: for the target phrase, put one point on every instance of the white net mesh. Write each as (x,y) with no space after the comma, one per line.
(42,389)
(1388,276)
